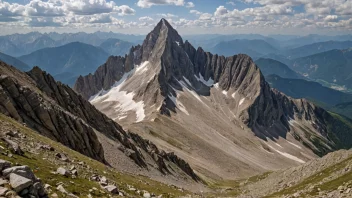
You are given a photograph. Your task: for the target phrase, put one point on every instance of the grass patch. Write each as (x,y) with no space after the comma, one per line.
(171,141)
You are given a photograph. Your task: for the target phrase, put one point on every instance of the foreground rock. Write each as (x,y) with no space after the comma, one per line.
(19,183)
(22,181)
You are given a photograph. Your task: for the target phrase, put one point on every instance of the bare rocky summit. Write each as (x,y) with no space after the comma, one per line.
(216,112)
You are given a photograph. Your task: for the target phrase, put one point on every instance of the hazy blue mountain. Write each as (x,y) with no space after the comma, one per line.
(136,39)
(314,38)
(279,57)
(299,88)
(116,47)
(14,62)
(208,41)
(66,78)
(253,48)
(20,44)
(20,39)
(269,66)
(315,48)
(82,37)
(75,58)
(331,67)
(8,47)
(283,37)
(40,43)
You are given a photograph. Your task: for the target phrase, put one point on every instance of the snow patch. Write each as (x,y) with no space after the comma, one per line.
(187,81)
(289,156)
(224,92)
(178,43)
(178,104)
(293,144)
(241,101)
(142,68)
(201,79)
(292,122)
(233,95)
(184,86)
(277,144)
(124,99)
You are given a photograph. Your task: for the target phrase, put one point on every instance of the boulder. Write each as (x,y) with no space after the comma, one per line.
(61,189)
(3,191)
(3,182)
(62,171)
(46,147)
(4,164)
(146,195)
(112,189)
(19,183)
(13,146)
(62,157)
(23,171)
(103,181)
(37,189)
(74,172)
(14,134)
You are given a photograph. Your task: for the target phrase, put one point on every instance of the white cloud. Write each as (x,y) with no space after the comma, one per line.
(196,12)
(149,3)
(39,13)
(168,15)
(231,3)
(205,16)
(88,7)
(63,7)
(190,5)
(221,10)
(331,18)
(146,18)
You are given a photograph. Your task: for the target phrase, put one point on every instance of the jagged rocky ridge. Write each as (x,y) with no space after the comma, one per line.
(173,60)
(56,111)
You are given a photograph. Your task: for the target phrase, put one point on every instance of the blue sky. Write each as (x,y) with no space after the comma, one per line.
(187,16)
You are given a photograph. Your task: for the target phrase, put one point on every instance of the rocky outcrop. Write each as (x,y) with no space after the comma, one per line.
(161,157)
(56,111)
(20,180)
(106,75)
(23,103)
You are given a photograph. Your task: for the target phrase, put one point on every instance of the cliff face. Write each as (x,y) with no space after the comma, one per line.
(22,101)
(56,111)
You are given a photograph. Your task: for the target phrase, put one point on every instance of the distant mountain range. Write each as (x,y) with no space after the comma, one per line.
(328,98)
(270,66)
(299,88)
(116,47)
(316,48)
(22,44)
(332,68)
(253,48)
(14,62)
(74,58)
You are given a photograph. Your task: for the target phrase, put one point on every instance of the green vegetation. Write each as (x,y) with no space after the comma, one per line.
(169,140)
(340,130)
(230,188)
